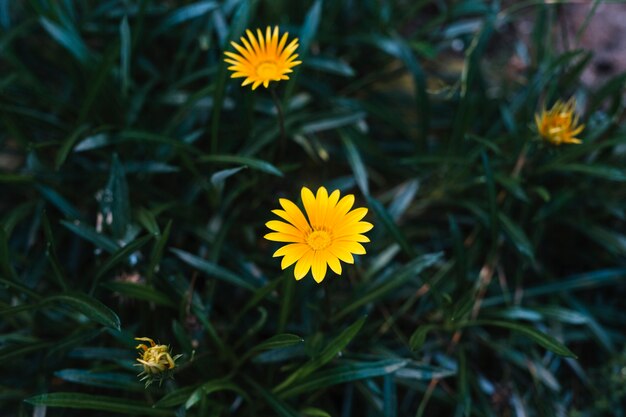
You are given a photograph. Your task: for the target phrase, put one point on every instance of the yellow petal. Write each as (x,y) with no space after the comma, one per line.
(295,215)
(283,237)
(319,266)
(303,265)
(308,199)
(283,227)
(334,263)
(293,253)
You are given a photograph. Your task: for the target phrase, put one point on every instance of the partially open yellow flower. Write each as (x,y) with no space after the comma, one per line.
(559,124)
(156,360)
(332,233)
(263,59)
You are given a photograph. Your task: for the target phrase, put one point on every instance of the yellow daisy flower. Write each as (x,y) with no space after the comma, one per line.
(263,59)
(559,124)
(156,360)
(331,233)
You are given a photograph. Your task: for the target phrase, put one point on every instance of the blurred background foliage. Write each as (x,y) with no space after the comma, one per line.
(137,177)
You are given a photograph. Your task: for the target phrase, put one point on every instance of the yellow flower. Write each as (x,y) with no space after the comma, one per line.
(156,360)
(263,59)
(559,124)
(332,233)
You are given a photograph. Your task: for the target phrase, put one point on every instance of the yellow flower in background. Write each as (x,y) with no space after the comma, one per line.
(559,124)
(331,232)
(156,360)
(263,59)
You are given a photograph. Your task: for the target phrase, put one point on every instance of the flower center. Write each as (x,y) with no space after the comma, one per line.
(267,69)
(318,240)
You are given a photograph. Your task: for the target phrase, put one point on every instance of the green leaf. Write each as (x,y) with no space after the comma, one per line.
(88,233)
(125,50)
(157,251)
(541,338)
(390,225)
(115,200)
(148,221)
(185,13)
(219,178)
(176,397)
(279,341)
(517,236)
(332,121)
(586,281)
(328,353)
(243,160)
(140,292)
(59,202)
(419,336)
(68,38)
(121,255)
(213,386)
(280,408)
(356,163)
(90,307)
(67,146)
(110,380)
(212,269)
(314,412)
(409,271)
(96,402)
(342,373)
(593,170)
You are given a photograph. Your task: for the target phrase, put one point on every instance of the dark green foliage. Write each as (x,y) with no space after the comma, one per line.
(136,179)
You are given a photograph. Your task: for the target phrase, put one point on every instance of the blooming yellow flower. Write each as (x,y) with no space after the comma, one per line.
(332,232)
(156,360)
(559,124)
(263,59)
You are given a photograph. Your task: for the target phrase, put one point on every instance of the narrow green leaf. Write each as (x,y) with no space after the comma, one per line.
(342,373)
(280,408)
(541,338)
(390,225)
(148,221)
(586,281)
(219,178)
(188,12)
(10,352)
(419,336)
(279,341)
(88,233)
(96,402)
(59,202)
(115,201)
(140,292)
(409,271)
(356,163)
(68,38)
(314,412)
(212,269)
(242,160)
(88,306)
(517,236)
(122,255)
(332,121)
(125,50)
(213,386)
(157,251)
(176,397)
(110,380)
(329,353)
(593,170)
(67,146)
